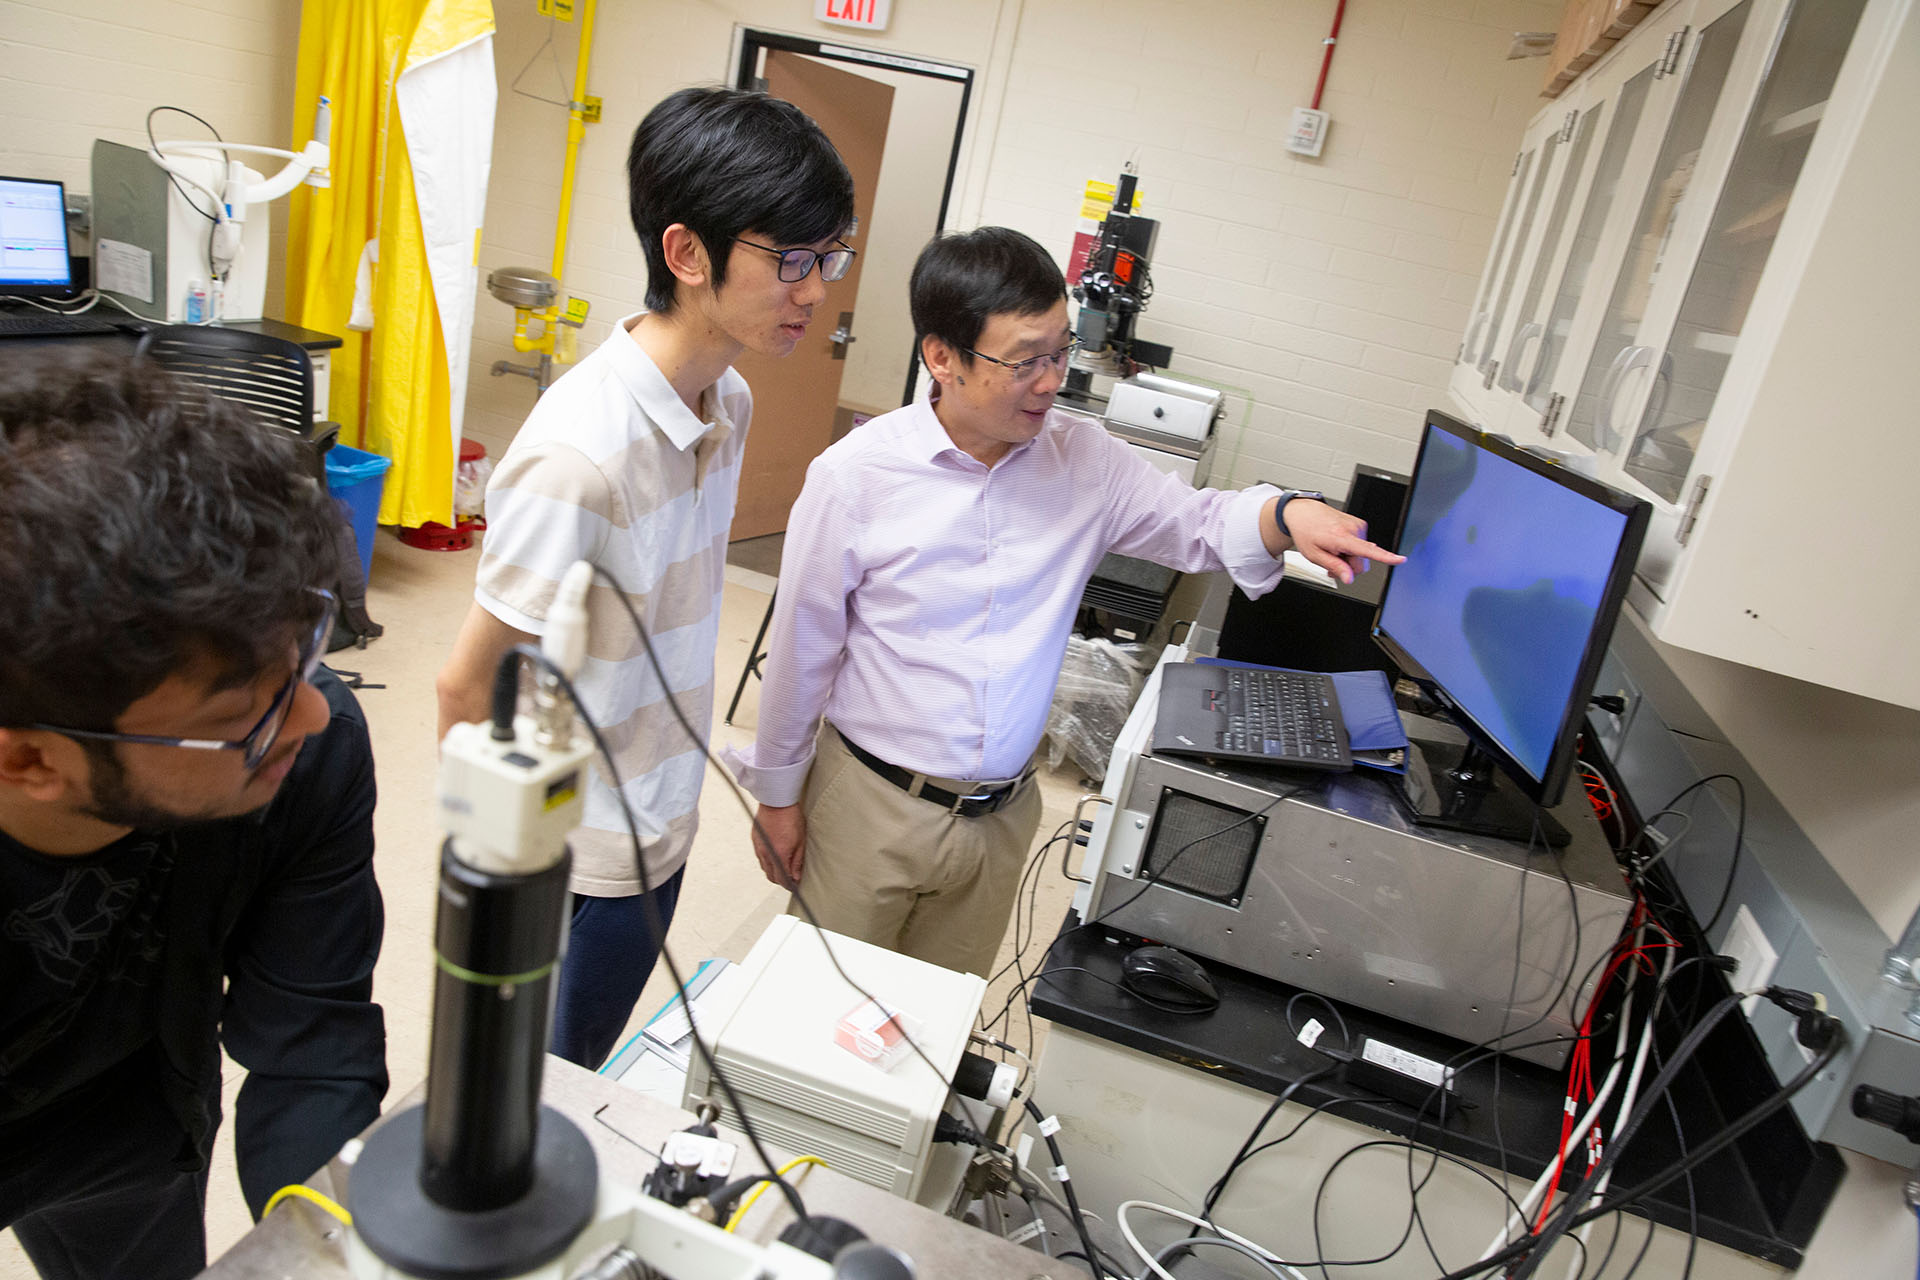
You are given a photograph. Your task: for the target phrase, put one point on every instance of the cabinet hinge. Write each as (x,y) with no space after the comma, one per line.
(1670,60)
(1551,422)
(1492,372)
(1692,514)
(1566,130)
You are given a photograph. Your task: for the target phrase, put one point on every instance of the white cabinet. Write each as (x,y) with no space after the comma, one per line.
(1710,306)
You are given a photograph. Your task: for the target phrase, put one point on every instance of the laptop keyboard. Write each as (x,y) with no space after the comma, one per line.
(21,324)
(1292,714)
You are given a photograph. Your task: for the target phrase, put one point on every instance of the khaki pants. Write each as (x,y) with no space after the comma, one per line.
(905,874)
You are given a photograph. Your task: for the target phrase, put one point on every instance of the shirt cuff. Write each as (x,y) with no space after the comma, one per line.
(1253,568)
(774,786)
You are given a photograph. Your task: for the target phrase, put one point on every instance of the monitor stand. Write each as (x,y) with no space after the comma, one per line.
(1459,787)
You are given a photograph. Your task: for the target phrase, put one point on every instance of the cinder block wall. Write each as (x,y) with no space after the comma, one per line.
(1333,290)
(75,70)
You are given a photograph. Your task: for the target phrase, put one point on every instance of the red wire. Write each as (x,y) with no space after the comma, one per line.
(1339,12)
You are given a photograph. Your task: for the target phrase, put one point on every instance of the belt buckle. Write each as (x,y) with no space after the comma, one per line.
(960,802)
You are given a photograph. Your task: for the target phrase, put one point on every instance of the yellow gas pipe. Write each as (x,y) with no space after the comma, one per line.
(576,130)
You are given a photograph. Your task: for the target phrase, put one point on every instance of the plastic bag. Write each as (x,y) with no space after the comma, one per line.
(1099,681)
(470,487)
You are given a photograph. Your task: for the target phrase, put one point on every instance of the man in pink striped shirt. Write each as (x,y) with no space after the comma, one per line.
(932,570)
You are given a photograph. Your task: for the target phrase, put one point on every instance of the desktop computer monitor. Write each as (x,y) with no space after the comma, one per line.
(33,239)
(1515,572)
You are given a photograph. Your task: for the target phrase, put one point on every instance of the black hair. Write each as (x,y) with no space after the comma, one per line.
(144,525)
(724,162)
(965,277)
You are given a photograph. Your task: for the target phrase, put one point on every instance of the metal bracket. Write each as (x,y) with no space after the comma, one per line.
(1670,60)
(1692,514)
(1551,422)
(1073,837)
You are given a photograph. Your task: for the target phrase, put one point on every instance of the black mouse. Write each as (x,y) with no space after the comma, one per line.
(1168,979)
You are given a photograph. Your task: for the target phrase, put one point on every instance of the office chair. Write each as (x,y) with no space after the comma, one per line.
(272,377)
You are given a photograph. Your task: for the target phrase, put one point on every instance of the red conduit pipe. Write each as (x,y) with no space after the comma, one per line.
(1339,12)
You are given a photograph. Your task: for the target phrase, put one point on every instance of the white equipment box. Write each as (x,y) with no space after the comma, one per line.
(807,1093)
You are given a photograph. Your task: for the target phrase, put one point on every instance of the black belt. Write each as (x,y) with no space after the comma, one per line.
(974,804)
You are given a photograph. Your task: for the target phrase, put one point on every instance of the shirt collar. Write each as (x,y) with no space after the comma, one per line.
(656,396)
(927,440)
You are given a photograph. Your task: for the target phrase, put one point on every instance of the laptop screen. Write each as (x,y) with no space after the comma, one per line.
(33,239)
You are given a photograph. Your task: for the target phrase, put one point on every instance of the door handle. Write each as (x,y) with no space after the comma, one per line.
(1629,359)
(1530,329)
(842,336)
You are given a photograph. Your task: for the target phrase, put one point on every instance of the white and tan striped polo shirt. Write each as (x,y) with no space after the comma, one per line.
(612,467)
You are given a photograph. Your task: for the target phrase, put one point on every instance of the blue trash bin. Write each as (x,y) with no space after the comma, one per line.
(355,479)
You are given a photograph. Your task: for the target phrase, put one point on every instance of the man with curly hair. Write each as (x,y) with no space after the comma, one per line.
(186,818)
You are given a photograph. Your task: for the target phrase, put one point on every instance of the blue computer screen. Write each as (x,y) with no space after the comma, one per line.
(1505,574)
(33,234)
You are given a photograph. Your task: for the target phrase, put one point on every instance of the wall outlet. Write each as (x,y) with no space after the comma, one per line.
(1756,956)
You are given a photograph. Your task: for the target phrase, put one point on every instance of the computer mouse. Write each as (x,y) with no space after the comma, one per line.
(1168,979)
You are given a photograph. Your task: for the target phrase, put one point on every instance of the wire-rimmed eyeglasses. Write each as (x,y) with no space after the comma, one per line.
(797,264)
(259,739)
(1027,370)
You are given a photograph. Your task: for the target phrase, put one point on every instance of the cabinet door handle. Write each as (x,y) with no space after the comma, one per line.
(1473,332)
(1657,398)
(1629,359)
(1528,330)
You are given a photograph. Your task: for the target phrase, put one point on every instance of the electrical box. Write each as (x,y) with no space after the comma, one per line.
(806,1092)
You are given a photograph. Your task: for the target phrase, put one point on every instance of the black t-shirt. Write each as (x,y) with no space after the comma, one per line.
(86,938)
(124,972)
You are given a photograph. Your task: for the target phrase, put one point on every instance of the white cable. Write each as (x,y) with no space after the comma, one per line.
(1133,1241)
(1627,1099)
(1578,1133)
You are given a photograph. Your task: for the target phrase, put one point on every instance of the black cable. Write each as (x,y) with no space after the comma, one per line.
(693,736)
(1066,1185)
(1570,1216)
(1739,838)
(1219,1187)
(153,144)
(540,660)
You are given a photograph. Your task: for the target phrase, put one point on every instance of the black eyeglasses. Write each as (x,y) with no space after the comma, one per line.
(797,264)
(1027,370)
(262,736)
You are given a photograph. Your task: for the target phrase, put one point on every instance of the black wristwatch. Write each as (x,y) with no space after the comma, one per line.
(1286,496)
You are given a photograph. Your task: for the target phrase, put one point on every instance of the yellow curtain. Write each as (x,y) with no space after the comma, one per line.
(391,388)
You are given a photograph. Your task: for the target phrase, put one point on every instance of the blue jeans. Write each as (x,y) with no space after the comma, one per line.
(611,947)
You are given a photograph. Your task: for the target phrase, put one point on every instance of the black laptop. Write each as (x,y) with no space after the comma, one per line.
(1289,718)
(36,267)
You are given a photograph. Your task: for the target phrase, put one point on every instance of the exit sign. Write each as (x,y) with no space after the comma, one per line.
(867,15)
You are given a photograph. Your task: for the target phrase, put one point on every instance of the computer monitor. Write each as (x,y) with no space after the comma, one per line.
(1516,568)
(33,239)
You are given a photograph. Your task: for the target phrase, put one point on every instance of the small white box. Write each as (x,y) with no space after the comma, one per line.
(1309,131)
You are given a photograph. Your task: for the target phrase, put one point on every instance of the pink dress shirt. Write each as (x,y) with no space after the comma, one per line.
(925,599)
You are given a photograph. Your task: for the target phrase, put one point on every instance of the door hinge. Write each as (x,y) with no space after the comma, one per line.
(1493,371)
(1551,423)
(1670,60)
(1566,130)
(1691,515)
(1518,156)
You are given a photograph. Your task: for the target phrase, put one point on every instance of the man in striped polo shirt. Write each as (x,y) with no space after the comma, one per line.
(631,461)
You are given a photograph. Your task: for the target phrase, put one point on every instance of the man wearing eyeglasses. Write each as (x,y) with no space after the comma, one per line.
(186,818)
(932,569)
(631,461)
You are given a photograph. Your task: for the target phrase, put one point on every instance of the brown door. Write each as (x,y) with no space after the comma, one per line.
(794,399)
